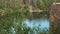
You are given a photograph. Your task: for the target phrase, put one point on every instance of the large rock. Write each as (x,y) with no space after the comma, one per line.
(55,19)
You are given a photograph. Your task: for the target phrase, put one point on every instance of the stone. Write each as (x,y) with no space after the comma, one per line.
(55,18)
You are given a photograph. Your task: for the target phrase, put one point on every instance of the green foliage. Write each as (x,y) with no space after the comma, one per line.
(40,5)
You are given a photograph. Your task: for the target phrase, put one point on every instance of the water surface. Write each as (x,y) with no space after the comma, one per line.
(43,22)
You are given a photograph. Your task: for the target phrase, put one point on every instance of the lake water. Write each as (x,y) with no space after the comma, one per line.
(43,22)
